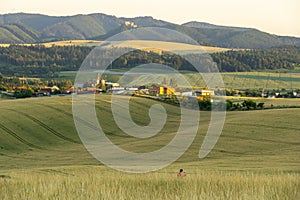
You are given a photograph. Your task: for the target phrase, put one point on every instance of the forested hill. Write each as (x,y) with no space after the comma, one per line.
(40,61)
(35,28)
(258,60)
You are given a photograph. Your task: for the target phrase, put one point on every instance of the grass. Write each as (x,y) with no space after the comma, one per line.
(256,157)
(159,46)
(156,46)
(251,80)
(270,102)
(100,183)
(237,80)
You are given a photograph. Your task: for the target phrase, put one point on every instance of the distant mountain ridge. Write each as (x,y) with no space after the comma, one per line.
(33,28)
(205,25)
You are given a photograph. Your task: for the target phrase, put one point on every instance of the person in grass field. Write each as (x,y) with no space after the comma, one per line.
(181,173)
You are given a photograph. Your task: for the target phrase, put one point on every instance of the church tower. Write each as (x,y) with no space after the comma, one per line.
(98,78)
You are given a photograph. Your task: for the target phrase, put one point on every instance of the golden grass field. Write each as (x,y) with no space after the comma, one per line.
(159,46)
(256,157)
(156,46)
(92,182)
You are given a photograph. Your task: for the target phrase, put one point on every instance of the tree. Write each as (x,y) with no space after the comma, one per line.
(260,105)
(249,104)
(229,104)
(205,103)
(23,93)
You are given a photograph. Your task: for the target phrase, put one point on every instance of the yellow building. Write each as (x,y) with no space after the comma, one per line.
(167,91)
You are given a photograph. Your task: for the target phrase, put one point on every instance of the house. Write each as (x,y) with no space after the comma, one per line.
(46,91)
(130,24)
(201,94)
(69,90)
(204,93)
(154,90)
(110,85)
(187,94)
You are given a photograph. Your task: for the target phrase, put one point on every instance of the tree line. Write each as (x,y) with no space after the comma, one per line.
(287,57)
(41,61)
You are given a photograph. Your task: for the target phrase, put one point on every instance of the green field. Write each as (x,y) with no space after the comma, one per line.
(236,80)
(41,155)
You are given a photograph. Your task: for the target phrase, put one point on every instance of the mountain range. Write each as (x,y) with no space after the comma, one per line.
(21,28)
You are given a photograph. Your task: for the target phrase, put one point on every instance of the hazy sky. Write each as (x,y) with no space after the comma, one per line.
(274,16)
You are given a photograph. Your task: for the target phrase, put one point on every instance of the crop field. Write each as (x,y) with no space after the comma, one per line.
(251,80)
(90,182)
(156,46)
(159,46)
(237,80)
(42,157)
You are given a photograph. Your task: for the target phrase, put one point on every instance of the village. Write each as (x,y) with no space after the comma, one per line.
(22,87)
(33,87)
(100,86)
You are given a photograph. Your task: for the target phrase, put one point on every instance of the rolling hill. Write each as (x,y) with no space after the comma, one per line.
(31,138)
(18,33)
(42,157)
(240,37)
(32,28)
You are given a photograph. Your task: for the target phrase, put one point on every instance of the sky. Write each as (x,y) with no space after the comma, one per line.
(279,17)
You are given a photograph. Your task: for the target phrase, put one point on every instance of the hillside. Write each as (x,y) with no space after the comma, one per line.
(257,141)
(239,37)
(283,58)
(72,27)
(47,60)
(42,157)
(36,28)
(18,33)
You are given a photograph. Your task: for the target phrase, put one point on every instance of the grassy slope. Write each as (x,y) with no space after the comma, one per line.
(8,37)
(257,155)
(248,137)
(17,34)
(168,46)
(156,46)
(75,27)
(237,80)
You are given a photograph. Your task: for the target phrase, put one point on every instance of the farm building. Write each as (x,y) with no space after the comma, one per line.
(46,91)
(201,94)
(166,90)
(204,93)
(111,86)
(156,90)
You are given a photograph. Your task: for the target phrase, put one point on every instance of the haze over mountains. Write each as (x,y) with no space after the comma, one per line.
(34,28)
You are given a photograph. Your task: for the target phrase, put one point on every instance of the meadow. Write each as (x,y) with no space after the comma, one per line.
(137,44)
(235,80)
(42,157)
(90,182)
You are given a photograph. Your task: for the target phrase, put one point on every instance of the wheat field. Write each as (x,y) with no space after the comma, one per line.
(93,182)
(41,156)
